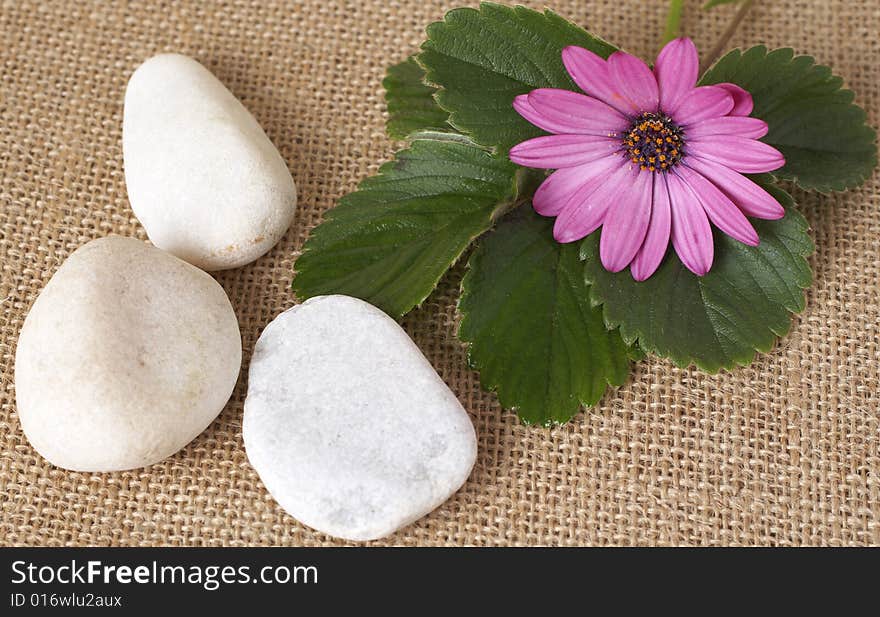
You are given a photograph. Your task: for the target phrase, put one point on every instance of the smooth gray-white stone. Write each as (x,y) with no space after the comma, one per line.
(347,423)
(126,355)
(202,176)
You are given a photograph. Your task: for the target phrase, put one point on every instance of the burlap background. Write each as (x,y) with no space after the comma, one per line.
(784,452)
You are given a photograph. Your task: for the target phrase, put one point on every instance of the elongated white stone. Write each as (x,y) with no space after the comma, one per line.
(348,425)
(202,176)
(126,355)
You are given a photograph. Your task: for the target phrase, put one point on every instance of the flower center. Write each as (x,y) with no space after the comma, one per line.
(654,142)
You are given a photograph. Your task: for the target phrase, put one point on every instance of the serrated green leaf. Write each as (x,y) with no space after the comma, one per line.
(713,3)
(411,104)
(531,330)
(390,241)
(812,120)
(481,59)
(719,320)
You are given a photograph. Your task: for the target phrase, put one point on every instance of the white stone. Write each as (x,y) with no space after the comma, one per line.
(126,356)
(202,177)
(348,425)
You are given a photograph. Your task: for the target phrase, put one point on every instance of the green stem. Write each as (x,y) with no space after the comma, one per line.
(673,20)
(715,52)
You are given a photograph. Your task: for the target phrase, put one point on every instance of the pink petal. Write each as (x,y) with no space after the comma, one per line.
(586,210)
(702,103)
(563,111)
(557,151)
(742,100)
(723,212)
(744,155)
(691,233)
(635,81)
(753,128)
(591,73)
(748,196)
(563,185)
(648,259)
(556,190)
(626,223)
(677,70)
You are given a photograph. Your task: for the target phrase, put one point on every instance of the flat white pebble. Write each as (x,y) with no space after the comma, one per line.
(347,423)
(202,176)
(126,355)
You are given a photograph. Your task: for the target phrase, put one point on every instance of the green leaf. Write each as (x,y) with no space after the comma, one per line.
(532,332)
(721,319)
(813,121)
(713,3)
(481,59)
(390,241)
(411,104)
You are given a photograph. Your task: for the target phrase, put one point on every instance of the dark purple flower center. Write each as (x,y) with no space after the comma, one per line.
(654,142)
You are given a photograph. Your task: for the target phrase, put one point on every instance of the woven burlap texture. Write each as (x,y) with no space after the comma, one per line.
(784,452)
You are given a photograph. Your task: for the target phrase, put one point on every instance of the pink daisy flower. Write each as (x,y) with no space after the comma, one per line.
(648,156)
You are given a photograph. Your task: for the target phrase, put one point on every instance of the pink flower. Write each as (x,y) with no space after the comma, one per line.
(648,156)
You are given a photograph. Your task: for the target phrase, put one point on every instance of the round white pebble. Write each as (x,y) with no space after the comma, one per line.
(202,176)
(348,425)
(126,356)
